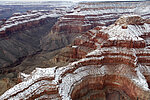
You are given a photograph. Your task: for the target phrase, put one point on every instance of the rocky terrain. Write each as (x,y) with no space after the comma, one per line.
(40,41)
(20,37)
(20,30)
(113,63)
(7,9)
(21,21)
(84,17)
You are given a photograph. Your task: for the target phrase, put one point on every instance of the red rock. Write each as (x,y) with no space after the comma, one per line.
(83,18)
(23,21)
(113,63)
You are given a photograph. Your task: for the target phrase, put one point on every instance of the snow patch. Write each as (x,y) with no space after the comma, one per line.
(140,81)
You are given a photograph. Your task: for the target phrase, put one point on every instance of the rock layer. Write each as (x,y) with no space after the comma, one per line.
(88,15)
(104,71)
(21,21)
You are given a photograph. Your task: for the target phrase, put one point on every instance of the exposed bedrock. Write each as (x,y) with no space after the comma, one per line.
(27,25)
(113,61)
(114,72)
(109,87)
(27,20)
(86,16)
(16,46)
(24,43)
(101,82)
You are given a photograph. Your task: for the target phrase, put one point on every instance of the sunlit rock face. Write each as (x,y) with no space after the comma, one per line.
(114,66)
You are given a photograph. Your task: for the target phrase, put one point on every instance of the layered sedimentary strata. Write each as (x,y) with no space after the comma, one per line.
(20,37)
(21,21)
(88,15)
(85,16)
(112,67)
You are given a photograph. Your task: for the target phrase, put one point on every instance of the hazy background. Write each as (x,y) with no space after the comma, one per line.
(67,0)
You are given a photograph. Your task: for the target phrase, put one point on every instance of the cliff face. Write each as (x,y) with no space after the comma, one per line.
(23,32)
(19,43)
(22,21)
(20,38)
(115,64)
(133,37)
(22,43)
(85,16)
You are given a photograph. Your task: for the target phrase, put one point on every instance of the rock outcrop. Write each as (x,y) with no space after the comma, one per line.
(88,15)
(115,64)
(22,21)
(19,43)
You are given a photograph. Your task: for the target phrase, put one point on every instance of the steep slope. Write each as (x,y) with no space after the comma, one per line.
(23,31)
(88,15)
(115,65)
(21,41)
(20,21)
(83,17)
(21,36)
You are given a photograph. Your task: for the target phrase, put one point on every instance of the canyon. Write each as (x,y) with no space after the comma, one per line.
(100,45)
(113,63)
(20,37)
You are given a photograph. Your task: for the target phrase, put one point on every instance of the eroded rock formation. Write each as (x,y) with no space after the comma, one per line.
(88,15)
(21,21)
(115,64)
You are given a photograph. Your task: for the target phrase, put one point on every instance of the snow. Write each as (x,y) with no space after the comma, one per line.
(90,9)
(131,33)
(87,59)
(130,15)
(117,33)
(144,68)
(119,50)
(142,51)
(36,75)
(69,80)
(24,76)
(95,52)
(33,88)
(140,81)
(18,13)
(143,9)
(24,18)
(86,25)
(74,46)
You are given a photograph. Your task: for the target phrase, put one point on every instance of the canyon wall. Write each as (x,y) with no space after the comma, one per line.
(114,71)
